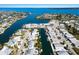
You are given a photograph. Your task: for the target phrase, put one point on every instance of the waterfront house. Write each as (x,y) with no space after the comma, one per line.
(5,51)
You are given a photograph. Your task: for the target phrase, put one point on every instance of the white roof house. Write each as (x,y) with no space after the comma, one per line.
(4,24)
(62,26)
(13,41)
(61,51)
(5,51)
(74,41)
(72,38)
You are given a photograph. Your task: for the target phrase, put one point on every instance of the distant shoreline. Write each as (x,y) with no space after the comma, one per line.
(57,16)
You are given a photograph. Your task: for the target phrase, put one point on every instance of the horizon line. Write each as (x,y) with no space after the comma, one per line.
(39,5)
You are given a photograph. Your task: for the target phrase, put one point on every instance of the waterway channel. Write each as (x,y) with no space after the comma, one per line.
(46,47)
(32,19)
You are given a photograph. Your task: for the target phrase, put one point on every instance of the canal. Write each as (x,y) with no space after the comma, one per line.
(4,37)
(47,50)
(30,19)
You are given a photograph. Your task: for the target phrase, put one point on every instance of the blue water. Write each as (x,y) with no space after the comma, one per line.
(46,47)
(31,19)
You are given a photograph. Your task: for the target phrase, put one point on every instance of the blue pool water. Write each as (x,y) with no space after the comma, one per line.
(31,18)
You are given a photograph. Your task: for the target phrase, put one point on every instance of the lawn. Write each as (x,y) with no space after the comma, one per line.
(73,31)
(77,36)
(76,50)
